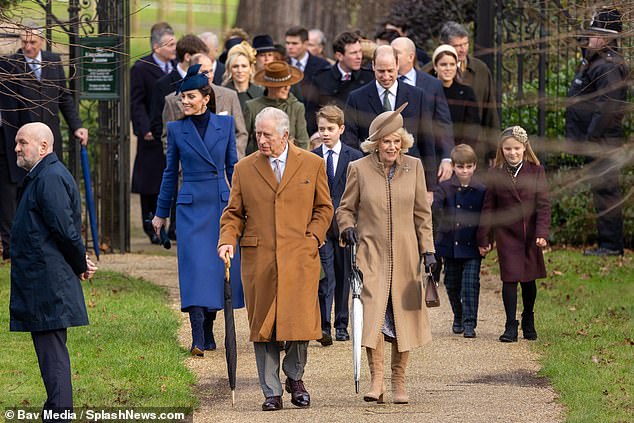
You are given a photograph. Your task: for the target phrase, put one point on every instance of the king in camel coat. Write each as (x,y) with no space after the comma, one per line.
(278,225)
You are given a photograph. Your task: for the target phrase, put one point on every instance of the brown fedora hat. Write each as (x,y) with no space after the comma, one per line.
(386,123)
(278,74)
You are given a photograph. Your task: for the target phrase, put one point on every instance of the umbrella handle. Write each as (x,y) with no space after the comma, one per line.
(227,264)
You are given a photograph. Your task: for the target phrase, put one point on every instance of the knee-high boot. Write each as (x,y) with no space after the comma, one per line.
(399,364)
(377,385)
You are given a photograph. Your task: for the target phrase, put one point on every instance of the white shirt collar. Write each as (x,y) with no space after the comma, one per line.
(282,157)
(343,72)
(180,70)
(336,149)
(410,77)
(213,68)
(38,58)
(161,63)
(382,90)
(303,61)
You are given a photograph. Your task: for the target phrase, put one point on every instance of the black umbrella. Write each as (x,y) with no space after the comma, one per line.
(230,333)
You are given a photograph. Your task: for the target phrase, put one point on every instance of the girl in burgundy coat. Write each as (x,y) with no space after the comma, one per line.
(516,214)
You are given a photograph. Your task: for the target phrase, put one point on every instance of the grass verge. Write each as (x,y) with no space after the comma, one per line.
(585,315)
(128,356)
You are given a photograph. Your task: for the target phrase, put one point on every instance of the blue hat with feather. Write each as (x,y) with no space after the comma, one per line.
(193,80)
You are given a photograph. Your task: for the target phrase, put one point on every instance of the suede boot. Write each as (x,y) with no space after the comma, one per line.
(377,385)
(399,364)
(208,330)
(528,326)
(510,332)
(196,318)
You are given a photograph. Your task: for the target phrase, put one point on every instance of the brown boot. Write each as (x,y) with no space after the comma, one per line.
(399,364)
(377,386)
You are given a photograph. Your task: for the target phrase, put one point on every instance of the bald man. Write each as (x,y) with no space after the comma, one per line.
(48,259)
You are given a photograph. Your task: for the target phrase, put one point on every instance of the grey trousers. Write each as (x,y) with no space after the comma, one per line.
(267,358)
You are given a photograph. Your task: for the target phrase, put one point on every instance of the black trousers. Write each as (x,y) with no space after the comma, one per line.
(606,191)
(54,361)
(8,202)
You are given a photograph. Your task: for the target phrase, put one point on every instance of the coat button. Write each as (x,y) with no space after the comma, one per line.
(458,224)
(458,206)
(456,242)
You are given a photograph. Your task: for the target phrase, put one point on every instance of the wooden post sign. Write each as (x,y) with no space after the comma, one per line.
(99,68)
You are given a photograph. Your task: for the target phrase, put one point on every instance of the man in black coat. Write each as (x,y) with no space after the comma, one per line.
(41,88)
(150,159)
(334,286)
(48,257)
(332,85)
(594,118)
(11,175)
(367,102)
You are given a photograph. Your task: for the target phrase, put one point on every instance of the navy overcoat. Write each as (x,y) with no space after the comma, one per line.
(207,165)
(47,252)
(457,210)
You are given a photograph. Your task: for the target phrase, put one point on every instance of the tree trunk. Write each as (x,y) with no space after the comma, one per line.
(274,17)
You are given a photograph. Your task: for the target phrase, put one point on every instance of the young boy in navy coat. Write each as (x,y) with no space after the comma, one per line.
(334,286)
(457,205)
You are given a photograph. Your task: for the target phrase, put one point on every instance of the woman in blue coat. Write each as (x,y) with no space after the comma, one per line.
(203,143)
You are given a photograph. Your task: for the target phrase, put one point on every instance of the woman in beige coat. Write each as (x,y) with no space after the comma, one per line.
(385,210)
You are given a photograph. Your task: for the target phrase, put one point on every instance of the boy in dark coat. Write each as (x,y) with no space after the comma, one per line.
(47,259)
(457,205)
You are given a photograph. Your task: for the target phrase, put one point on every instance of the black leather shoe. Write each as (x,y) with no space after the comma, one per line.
(299,395)
(342,335)
(457,325)
(602,252)
(272,404)
(325,339)
(154,239)
(469,332)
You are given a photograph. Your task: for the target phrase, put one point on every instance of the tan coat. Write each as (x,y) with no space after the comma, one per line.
(227,103)
(394,224)
(279,255)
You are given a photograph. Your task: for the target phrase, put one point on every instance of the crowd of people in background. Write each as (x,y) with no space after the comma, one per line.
(286,152)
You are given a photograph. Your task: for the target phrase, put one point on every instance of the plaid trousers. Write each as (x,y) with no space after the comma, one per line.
(462,282)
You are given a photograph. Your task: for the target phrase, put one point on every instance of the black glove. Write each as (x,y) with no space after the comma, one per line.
(430,262)
(350,236)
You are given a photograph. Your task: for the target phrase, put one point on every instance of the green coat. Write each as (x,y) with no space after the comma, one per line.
(291,106)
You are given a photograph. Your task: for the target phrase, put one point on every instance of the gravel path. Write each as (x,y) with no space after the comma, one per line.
(451,380)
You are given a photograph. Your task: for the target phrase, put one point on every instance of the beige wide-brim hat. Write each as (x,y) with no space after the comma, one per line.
(278,74)
(386,123)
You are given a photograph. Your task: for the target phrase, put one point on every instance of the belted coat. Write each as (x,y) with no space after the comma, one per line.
(394,222)
(207,164)
(280,258)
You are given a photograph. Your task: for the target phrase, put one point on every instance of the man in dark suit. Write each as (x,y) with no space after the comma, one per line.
(211,41)
(48,257)
(150,159)
(11,175)
(186,47)
(367,102)
(433,90)
(42,88)
(299,56)
(334,285)
(333,84)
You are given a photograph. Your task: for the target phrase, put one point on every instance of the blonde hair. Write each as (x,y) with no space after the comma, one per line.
(407,140)
(242,49)
(519,134)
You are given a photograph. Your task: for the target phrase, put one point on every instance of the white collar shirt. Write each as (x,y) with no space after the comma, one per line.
(281,161)
(336,152)
(410,77)
(180,70)
(343,72)
(301,63)
(162,64)
(392,93)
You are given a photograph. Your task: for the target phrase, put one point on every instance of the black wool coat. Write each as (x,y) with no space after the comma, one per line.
(47,252)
